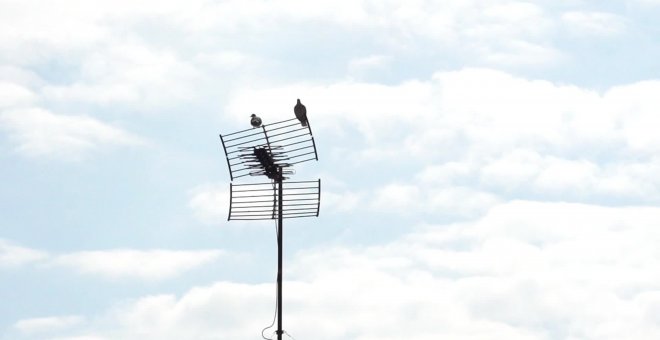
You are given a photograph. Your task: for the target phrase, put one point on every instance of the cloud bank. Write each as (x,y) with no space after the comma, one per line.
(524,270)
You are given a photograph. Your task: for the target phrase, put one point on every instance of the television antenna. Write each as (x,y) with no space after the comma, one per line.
(272,150)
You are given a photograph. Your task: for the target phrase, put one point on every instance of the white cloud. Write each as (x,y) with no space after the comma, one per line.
(506,107)
(633,107)
(594,23)
(223,310)
(40,133)
(569,179)
(449,200)
(12,255)
(520,53)
(152,264)
(646,2)
(80,337)
(341,201)
(373,63)
(527,169)
(564,175)
(445,173)
(525,265)
(525,270)
(136,264)
(111,55)
(375,110)
(486,108)
(397,197)
(210,203)
(515,170)
(48,324)
(12,95)
(490,129)
(130,72)
(82,31)
(52,27)
(459,201)
(226,60)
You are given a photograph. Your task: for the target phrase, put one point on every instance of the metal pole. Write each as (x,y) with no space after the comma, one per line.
(279,252)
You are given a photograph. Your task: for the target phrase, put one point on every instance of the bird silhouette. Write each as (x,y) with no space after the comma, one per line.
(301,113)
(255,121)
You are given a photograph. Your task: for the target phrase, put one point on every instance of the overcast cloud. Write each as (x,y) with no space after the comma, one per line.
(489,169)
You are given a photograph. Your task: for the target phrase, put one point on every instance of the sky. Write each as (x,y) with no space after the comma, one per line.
(489,169)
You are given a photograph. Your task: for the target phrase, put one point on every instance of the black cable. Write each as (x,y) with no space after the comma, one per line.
(289,335)
(274,316)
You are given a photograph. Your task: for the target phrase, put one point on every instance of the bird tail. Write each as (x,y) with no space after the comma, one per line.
(304,123)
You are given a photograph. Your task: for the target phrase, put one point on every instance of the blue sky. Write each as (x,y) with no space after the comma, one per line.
(490,169)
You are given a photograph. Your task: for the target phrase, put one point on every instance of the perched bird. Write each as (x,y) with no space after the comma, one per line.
(301,113)
(255,121)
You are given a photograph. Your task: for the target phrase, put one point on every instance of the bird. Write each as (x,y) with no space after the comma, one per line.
(301,113)
(255,121)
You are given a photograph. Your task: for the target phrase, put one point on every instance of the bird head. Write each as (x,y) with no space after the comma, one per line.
(253,115)
(298,101)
